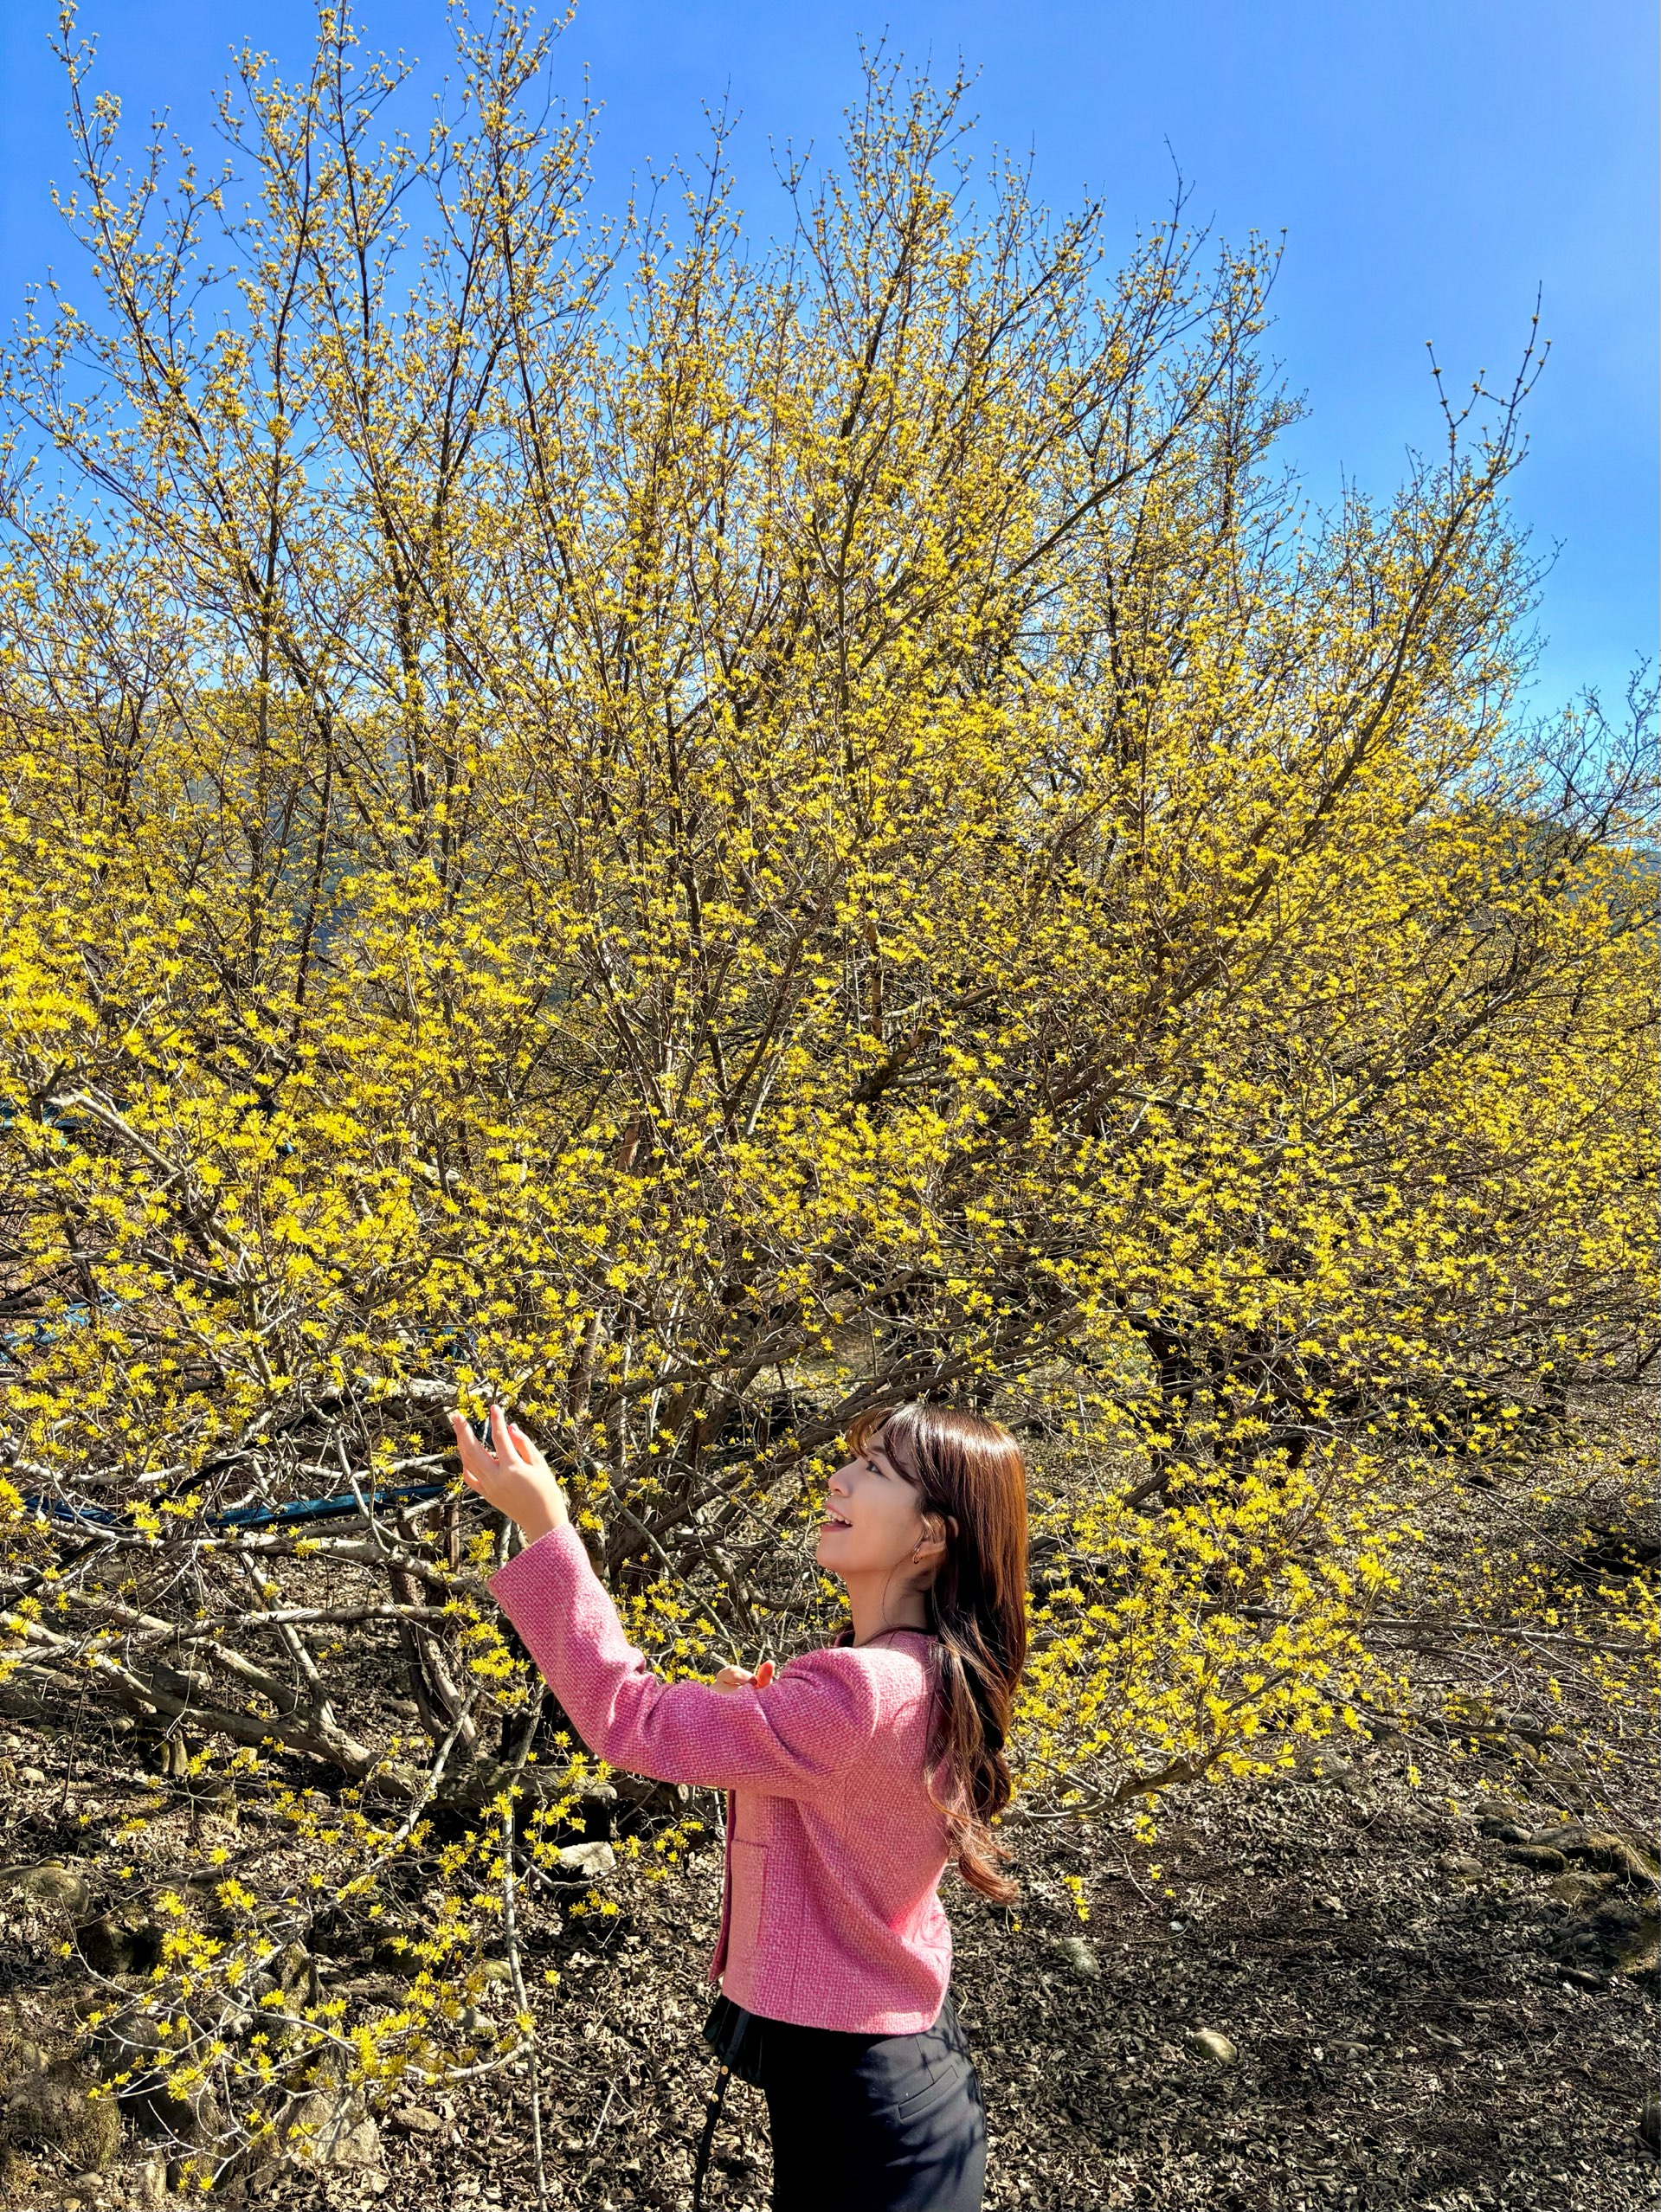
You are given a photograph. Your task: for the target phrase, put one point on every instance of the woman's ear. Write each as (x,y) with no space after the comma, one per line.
(936,1527)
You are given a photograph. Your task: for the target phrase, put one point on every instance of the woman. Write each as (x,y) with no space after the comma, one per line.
(854,1772)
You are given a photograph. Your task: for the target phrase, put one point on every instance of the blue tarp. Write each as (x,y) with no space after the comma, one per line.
(246,1516)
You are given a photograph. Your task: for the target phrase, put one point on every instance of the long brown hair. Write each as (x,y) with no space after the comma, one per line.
(970,1472)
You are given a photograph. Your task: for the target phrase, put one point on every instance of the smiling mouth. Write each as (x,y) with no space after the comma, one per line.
(835,1520)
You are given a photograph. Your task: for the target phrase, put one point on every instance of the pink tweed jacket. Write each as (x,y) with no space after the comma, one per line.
(830,1915)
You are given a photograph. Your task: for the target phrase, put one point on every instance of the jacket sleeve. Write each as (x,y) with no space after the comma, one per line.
(811,1723)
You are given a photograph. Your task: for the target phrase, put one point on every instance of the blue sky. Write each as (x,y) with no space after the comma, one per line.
(1431,162)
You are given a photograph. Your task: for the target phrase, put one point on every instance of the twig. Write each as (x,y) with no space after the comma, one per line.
(424,1796)
(74,1745)
(511,1934)
(1146,1896)
(611,2091)
(303,1616)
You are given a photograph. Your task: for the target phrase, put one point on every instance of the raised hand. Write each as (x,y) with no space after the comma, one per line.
(513,1475)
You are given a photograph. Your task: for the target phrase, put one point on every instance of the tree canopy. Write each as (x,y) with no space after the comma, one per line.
(705,830)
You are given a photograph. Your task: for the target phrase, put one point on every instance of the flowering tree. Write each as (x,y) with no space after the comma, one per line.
(703,834)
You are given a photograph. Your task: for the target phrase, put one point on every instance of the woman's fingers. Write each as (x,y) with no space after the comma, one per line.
(480,1469)
(467,1446)
(531,1454)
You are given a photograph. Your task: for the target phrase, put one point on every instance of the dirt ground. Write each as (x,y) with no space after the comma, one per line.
(1426,2007)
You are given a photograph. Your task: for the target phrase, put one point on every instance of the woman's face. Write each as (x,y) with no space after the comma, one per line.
(873,1517)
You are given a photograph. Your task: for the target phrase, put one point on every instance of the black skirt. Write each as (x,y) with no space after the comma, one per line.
(863,2123)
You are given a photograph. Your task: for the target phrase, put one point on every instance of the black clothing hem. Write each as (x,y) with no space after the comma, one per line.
(860,2123)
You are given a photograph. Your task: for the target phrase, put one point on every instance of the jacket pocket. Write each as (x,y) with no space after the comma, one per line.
(747,1865)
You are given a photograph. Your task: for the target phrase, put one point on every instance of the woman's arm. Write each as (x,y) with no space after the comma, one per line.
(807,1727)
(811,1723)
